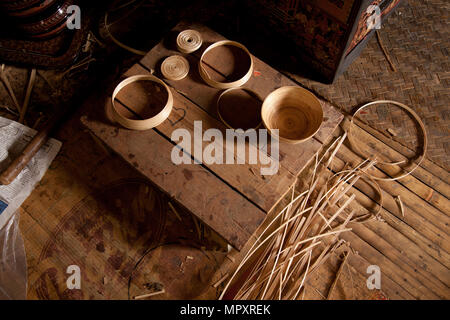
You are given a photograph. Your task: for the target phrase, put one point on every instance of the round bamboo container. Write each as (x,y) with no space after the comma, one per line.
(294,111)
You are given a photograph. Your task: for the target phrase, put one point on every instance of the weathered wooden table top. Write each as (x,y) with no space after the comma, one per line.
(231,199)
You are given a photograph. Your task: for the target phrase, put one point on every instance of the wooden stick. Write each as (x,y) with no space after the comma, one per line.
(197,227)
(230,258)
(320,293)
(282,237)
(83,62)
(117,42)
(304,276)
(284,262)
(341,140)
(300,242)
(8,109)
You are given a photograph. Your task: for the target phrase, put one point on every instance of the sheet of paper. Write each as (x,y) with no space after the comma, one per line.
(14,137)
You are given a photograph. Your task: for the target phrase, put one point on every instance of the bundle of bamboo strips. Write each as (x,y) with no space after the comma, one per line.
(302,236)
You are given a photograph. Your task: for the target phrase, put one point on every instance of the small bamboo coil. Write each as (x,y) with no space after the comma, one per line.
(175,68)
(189,41)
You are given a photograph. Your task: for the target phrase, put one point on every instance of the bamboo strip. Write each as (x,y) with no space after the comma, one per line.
(146,123)
(385,52)
(225,85)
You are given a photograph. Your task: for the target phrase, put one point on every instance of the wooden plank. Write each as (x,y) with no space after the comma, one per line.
(264,191)
(421,182)
(218,205)
(425,235)
(264,81)
(352,285)
(331,117)
(191,86)
(438,286)
(72,217)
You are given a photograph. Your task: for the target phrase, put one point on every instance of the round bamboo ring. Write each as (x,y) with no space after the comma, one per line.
(175,68)
(251,92)
(294,111)
(144,124)
(189,41)
(370,180)
(225,85)
(361,153)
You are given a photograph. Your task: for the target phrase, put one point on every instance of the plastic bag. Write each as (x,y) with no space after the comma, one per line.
(13,262)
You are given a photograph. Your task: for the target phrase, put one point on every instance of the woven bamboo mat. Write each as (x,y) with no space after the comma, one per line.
(416,37)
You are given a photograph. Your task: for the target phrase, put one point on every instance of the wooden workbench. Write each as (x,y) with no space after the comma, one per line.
(231,199)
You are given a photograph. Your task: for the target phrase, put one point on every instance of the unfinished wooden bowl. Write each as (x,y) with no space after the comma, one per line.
(294,111)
